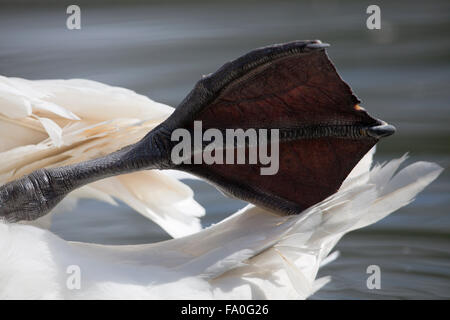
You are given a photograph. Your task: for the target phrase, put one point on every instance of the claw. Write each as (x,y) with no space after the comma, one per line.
(381,131)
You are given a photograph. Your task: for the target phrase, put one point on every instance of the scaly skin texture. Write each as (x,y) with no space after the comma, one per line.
(293,87)
(30,196)
(36,194)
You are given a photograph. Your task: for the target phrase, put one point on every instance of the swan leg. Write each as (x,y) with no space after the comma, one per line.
(36,194)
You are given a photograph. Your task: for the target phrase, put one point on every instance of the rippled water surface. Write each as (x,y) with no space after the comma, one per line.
(401,73)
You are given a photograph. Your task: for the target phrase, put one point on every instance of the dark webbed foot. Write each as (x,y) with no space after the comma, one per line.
(291,87)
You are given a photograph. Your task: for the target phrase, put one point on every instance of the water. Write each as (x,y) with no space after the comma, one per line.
(401,73)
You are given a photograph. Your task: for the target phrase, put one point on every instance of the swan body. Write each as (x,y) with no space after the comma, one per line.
(258,252)
(253,254)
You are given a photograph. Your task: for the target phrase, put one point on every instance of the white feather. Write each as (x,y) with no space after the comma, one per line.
(253,254)
(50,123)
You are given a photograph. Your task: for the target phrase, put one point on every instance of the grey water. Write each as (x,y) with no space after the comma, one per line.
(401,73)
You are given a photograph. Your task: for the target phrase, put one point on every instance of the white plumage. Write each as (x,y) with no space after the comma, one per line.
(51,123)
(253,254)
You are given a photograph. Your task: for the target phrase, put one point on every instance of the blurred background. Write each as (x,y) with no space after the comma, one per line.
(160,49)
